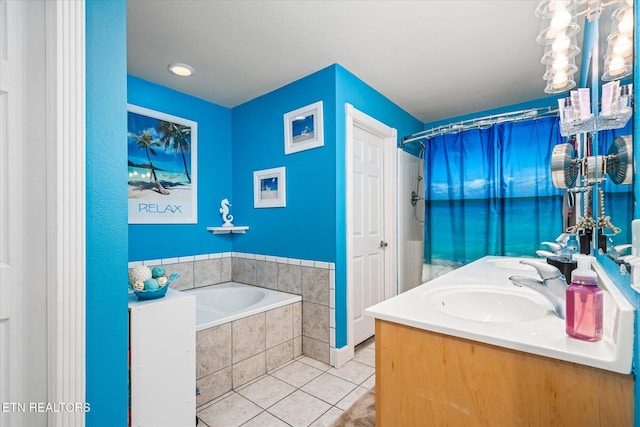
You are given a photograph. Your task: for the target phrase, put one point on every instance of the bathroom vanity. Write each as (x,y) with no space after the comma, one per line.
(470,348)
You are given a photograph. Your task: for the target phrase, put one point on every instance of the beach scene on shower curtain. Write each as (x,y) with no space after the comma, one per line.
(490,192)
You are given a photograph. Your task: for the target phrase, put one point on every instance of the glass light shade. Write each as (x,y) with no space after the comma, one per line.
(560,83)
(617,67)
(623,19)
(550,54)
(548,8)
(558,19)
(619,44)
(555,71)
(561,19)
(548,35)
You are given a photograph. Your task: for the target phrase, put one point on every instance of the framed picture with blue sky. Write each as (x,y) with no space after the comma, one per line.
(303,128)
(270,188)
(162,167)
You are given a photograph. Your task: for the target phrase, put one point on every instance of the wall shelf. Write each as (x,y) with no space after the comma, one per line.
(235,229)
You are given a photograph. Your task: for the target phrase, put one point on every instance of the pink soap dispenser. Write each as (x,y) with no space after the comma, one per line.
(584,302)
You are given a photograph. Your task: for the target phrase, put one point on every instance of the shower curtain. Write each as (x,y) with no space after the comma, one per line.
(489,191)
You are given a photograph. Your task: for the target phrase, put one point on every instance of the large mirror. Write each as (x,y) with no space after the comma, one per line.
(463,221)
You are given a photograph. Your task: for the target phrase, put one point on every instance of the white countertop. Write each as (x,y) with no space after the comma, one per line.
(544,335)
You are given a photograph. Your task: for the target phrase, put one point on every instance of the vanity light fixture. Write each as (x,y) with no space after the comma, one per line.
(618,61)
(558,29)
(180,69)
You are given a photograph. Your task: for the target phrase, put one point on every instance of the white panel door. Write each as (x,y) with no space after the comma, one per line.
(368,236)
(11,212)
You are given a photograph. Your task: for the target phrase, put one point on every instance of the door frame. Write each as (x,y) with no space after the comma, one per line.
(66,206)
(61,25)
(389,135)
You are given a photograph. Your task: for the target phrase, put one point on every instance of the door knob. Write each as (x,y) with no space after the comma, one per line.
(383,244)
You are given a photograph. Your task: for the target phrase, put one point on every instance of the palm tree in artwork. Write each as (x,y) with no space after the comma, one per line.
(145,141)
(178,138)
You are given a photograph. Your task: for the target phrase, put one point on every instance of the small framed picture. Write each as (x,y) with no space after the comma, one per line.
(303,128)
(269,188)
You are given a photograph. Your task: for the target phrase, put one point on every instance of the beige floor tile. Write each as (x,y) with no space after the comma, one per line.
(327,418)
(299,409)
(329,388)
(233,411)
(297,373)
(366,356)
(369,383)
(353,371)
(351,398)
(315,363)
(265,419)
(266,391)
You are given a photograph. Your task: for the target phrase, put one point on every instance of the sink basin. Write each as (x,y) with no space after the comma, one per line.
(478,302)
(482,304)
(510,264)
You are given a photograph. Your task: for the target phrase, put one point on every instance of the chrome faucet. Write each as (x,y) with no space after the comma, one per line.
(552,286)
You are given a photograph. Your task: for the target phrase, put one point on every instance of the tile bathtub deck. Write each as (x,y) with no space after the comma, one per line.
(302,393)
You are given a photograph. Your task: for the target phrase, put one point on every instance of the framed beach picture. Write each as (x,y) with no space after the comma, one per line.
(162,167)
(269,188)
(303,128)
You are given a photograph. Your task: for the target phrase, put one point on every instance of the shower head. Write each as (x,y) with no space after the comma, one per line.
(405,141)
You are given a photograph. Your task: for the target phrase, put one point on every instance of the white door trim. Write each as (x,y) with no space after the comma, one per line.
(355,117)
(13,95)
(66,189)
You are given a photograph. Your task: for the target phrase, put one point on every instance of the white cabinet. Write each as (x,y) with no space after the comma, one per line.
(162,345)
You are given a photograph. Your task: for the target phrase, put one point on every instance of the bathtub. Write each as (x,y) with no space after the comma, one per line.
(226,302)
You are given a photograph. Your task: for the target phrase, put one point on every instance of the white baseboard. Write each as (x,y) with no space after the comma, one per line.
(342,355)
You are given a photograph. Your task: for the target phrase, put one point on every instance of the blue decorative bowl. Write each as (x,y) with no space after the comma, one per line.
(143,295)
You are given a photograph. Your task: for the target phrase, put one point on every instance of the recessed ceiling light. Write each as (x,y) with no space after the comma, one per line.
(182,70)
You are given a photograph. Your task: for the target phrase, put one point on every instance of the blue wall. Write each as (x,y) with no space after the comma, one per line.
(313,224)
(151,241)
(106,263)
(350,89)
(305,228)
(232,144)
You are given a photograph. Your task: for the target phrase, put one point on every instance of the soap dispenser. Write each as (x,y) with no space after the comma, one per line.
(584,302)
(572,247)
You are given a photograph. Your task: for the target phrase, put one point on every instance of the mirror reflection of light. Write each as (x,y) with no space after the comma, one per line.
(561,18)
(561,43)
(622,46)
(560,79)
(626,23)
(616,65)
(560,63)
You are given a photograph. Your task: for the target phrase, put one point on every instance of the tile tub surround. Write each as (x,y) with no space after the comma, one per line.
(313,280)
(235,353)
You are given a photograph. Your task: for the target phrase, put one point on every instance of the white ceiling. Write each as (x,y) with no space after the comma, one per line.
(435,59)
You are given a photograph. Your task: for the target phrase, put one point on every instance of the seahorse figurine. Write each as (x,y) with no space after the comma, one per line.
(224,210)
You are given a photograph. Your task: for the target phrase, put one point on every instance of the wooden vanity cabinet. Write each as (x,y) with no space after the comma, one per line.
(428,379)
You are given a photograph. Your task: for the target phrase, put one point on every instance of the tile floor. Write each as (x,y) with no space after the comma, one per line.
(302,393)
